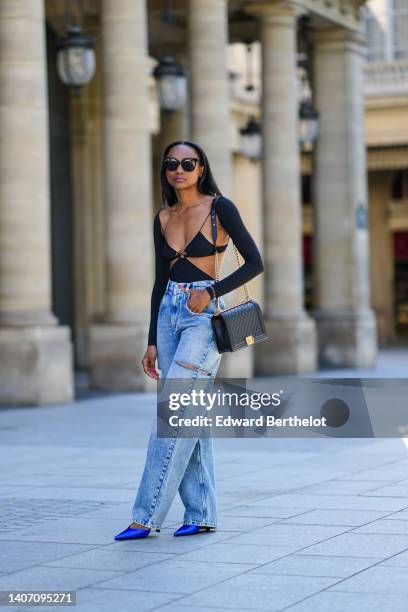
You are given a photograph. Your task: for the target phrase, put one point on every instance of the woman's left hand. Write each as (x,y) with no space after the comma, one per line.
(198,300)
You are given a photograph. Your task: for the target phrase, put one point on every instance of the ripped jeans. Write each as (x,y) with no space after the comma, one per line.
(185,349)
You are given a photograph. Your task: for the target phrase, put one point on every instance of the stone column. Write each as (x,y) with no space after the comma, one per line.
(119,341)
(211,127)
(209,83)
(36,353)
(346,323)
(174,125)
(381,260)
(291,347)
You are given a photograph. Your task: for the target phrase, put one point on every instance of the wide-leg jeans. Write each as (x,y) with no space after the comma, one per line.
(186,349)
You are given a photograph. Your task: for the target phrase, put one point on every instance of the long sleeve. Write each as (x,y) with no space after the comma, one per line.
(231,220)
(162,269)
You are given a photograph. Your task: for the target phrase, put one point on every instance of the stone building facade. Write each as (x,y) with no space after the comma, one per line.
(79,186)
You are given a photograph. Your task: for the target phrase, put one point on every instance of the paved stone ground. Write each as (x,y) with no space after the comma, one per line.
(305,524)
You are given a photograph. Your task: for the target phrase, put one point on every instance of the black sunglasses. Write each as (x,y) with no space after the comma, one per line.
(188,163)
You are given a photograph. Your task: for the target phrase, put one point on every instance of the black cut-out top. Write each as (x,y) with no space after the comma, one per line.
(184,271)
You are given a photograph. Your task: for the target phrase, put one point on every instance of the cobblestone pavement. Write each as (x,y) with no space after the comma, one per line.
(305,524)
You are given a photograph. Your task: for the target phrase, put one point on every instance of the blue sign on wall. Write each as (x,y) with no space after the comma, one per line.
(361,217)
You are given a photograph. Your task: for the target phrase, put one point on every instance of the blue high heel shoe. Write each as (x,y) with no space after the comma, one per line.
(186,530)
(133,533)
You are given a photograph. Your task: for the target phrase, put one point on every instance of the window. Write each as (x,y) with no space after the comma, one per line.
(399,185)
(400,29)
(386,27)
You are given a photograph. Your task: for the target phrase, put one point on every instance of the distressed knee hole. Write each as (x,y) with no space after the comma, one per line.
(191,366)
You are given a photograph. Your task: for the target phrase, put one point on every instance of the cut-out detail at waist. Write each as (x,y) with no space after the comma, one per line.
(184,271)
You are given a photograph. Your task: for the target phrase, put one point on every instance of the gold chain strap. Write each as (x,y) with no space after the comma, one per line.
(217,276)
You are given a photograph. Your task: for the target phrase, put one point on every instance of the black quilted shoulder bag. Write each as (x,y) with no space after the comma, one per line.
(239,325)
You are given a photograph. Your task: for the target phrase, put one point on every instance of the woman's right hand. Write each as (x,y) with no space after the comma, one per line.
(149,362)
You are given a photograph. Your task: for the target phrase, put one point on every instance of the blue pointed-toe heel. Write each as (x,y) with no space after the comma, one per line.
(186,530)
(133,533)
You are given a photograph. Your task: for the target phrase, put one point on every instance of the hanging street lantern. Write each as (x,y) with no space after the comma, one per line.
(75,55)
(308,115)
(308,124)
(76,58)
(251,140)
(171,84)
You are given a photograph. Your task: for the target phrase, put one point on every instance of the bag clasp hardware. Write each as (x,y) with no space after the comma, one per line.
(249,339)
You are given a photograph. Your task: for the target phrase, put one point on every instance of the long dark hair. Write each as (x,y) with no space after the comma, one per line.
(206,183)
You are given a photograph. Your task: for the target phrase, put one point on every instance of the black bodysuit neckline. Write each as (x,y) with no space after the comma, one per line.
(182,252)
(199,233)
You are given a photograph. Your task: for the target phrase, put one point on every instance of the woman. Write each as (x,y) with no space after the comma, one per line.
(180,332)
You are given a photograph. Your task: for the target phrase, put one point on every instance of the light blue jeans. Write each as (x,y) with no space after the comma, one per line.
(185,349)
